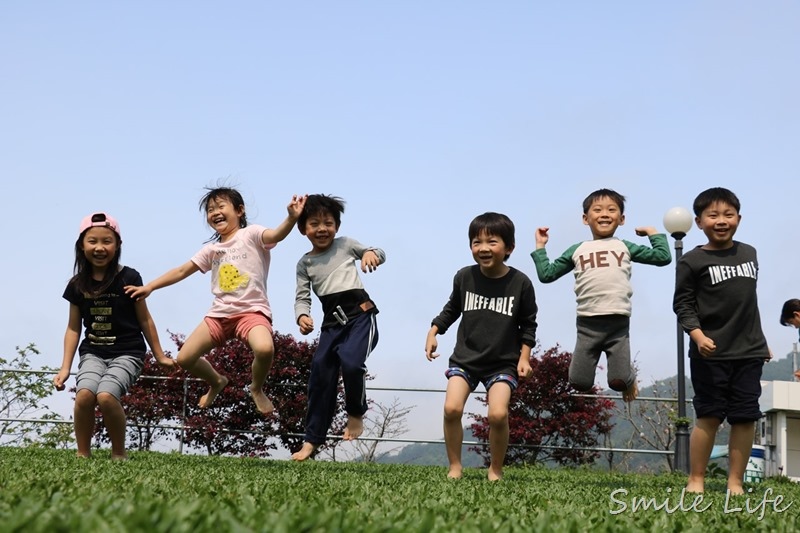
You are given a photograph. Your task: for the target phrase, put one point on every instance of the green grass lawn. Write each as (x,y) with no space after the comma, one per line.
(52,490)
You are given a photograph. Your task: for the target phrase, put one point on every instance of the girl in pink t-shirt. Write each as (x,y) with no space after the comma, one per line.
(238,257)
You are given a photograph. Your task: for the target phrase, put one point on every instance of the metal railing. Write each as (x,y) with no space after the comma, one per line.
(182,427)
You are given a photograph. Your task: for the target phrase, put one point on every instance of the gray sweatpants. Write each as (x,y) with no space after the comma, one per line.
(597,334)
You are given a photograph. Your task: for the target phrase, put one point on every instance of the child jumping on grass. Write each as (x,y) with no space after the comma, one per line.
(238,258)
(349,331)
(602,269)
(497,307)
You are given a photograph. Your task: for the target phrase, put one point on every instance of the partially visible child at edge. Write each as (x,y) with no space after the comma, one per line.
(113,349)
(497,307)
(238,256)
(602,269)
(790,316)
(349,330)
(715,301)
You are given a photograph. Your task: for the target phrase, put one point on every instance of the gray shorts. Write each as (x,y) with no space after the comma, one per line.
(113,376)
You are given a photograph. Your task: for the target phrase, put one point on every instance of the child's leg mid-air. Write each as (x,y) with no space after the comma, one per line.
(190,358)
(260,340)
(701,443)
(455,398)
(360,338)
(322,393)
(498,397)
(354,427)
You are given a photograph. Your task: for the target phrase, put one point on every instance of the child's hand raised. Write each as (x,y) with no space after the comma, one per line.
(542,237)
(296,206)
(645,230)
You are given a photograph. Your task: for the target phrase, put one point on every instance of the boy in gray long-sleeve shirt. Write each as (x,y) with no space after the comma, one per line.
(349,331)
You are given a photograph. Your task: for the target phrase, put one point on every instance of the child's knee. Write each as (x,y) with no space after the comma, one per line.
(85,399)
(265,356)
(618,385)
(453,411)
(105,399)
(581,385)
(498,417)
(186,360)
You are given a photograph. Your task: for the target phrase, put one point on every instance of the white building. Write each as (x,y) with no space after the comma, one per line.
(779,430)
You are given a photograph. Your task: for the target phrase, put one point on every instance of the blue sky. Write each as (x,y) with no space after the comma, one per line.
(420,115)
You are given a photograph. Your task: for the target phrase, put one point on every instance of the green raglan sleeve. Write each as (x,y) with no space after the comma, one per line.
(547,271)
(658,255)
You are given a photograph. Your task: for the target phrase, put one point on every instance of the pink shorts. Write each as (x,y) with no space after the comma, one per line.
(224,328)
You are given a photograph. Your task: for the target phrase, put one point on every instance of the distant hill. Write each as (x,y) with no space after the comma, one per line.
(622,436)
(432,454)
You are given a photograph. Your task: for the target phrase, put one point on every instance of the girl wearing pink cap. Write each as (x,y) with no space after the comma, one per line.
(116,327)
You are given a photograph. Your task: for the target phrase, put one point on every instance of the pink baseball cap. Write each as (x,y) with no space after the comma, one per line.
(101,220)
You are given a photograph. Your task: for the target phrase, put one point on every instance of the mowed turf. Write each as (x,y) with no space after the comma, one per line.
(52,490)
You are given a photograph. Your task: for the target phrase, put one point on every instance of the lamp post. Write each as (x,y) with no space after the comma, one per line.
(678,222)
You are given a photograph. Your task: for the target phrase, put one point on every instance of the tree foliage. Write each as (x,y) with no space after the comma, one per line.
(545,411)
(22,394)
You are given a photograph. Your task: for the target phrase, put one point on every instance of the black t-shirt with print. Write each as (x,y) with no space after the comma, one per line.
(111,326)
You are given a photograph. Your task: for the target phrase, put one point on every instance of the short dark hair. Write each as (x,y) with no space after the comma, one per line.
(615,197)
(712,195)
(493,224)
(790,307)
(318,205)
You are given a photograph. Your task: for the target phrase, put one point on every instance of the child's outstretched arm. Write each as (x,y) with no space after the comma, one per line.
(656,254)
(71,338)
(168,278)
(542,237)
(150,333)
(295,208)
(645,231)
(545,270)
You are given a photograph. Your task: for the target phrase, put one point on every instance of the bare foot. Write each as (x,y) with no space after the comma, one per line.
(305,452)
(631,394)
(208,398)
(695,487)
(81,455)
(263,404)
(735,489)
(354,429)
(454,472)
(123,457)
(495,475)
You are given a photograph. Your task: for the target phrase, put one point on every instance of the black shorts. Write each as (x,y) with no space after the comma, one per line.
(727,389)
